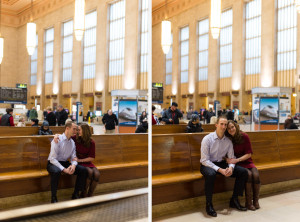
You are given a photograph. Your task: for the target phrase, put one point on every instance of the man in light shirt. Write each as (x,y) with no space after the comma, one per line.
(58,162)
(214,147)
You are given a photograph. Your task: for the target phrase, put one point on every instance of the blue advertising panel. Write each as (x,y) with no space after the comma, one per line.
(127,113)
(268,110)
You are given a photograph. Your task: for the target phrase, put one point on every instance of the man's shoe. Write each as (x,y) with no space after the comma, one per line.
(75,196)
(234,203)
(54,199)
(210,210)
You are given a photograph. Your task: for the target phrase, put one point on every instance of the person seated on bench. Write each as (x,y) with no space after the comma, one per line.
(45,130)
(35,122)
(85,149)
(7,119)
(214,147)
(21,122)
(243,151)
(194,125)
(58,162)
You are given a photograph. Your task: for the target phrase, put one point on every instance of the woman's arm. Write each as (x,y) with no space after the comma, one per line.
(241,159)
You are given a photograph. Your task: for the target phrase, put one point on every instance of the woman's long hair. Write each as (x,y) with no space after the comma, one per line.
(237,138)
(85,139)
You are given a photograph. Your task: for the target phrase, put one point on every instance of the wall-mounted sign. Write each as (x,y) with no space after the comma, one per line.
(13,95)
(157,93)
(21,86)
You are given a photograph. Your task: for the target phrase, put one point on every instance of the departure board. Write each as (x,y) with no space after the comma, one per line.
(13,95)
(157,92)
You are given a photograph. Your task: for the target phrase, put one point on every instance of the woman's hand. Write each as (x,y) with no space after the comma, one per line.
(56,138)
(232,161)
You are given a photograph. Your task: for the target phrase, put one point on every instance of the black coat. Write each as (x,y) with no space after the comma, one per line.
(193,128)
(168,114)
(110,121)
(51,118)
(62,116)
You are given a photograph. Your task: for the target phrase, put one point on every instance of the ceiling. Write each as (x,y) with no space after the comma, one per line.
(15,5)
(156,4)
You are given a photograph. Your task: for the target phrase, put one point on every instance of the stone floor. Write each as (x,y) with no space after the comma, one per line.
(283,207)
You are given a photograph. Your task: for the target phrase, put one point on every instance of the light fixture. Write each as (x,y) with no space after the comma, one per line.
(79,19)
(166,36)
(297,4)
(31,33)
(1,38)
(294,94)
(215,17)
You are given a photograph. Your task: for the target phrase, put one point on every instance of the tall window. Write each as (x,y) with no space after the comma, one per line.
(89,52)
(33,64)
(203,27)
(169,65)
(67,50)
(116,38)
(184,54)
(226,44)
(287,35)
(144,36)
(253,37)
(49,39)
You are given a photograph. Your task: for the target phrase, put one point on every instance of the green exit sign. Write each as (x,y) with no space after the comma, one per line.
(158,85)
(22,86)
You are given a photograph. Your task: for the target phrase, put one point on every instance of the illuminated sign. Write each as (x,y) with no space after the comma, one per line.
(21,86)
(157,85)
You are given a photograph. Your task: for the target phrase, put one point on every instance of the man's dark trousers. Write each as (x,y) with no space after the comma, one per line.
(209,174)
(55,173)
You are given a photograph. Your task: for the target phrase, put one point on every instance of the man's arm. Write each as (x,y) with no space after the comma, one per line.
(116,120)
(53,155)
(165,117)
(179,113)
(205,157)
(73,162)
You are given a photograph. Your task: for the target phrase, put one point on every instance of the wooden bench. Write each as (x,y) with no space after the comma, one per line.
(24,161)
(29,130)
(178,128)
(176,163)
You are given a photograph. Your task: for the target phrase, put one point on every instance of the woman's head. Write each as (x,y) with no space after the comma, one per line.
(233,131)
(21,119)
(144,113)
(84,133)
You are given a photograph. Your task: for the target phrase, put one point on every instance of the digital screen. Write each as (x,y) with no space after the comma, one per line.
(157,92)
(13,95)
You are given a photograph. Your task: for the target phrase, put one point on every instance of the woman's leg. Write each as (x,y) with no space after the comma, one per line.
(248,191)
(256,187)
(88,182)
(95,181)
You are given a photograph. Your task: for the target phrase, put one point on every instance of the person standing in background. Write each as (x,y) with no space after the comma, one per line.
(33,114)
(110,122)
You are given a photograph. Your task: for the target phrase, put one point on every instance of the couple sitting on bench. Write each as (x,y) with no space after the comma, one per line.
(227,151)
(80,149)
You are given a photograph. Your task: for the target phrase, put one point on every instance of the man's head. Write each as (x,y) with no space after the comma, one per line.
(49,109)
(70,129)
(9,111)
(221,125)
(174,106)
(33,108)
(45,125)
(34,122)
(60,108)
(195,119)
(109,112)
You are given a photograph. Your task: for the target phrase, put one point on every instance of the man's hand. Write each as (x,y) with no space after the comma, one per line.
(228,171)
(222,171)
(232,161)
(66,170)
(71,169)
(56,138)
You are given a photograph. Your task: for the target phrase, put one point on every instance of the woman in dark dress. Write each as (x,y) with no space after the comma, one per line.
(243,152)
(85,151)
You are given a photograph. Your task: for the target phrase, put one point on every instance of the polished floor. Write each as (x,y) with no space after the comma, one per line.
(283,207)
(128,209)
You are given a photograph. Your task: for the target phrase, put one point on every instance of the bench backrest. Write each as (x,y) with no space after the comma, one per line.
(178,128)
(18,153)
(170,154)
(179,152)
(29,130)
